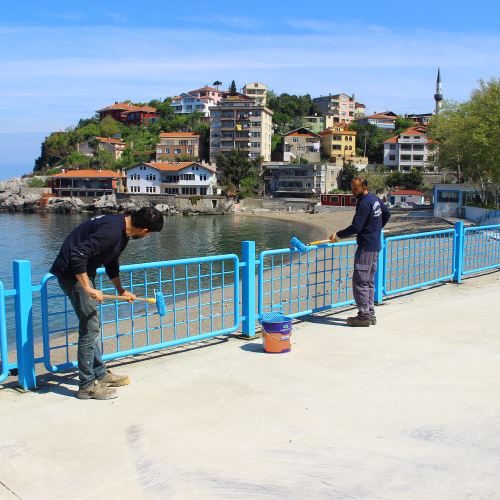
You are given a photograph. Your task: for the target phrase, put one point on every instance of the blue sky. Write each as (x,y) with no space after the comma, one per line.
(63,60)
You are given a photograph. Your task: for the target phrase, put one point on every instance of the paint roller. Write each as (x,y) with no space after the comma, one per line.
(296,244)
(158,299)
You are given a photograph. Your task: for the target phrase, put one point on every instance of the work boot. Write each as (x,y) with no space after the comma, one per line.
(359,321)
(373,319)
(96,390)
(113,380)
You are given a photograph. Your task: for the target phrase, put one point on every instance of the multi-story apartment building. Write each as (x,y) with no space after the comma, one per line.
(257,91)
(239,122)
(338,142)
(299,180)
(301,144)
(342,107)
(410,149)
(174,178)
(174,145)
(198,100)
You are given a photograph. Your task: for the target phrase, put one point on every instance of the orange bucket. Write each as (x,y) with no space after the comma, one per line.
(277,343)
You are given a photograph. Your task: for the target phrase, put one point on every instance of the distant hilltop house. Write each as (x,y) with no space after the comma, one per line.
(385,120)
(87,182)
(301,144)
(111,144)
(174,178)
(318,123)
(420,118)
(408,150)
(178,144)
(198,100)
(129,114)
(342,107)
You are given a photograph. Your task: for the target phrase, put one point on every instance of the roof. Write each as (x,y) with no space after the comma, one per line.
(387,115)
(417,130)
(89,173)
(179,134)
(206,87)
(330,131)
(392,140)
(167,166)
(297,133)
(111,140)
(127,107)
(406,192)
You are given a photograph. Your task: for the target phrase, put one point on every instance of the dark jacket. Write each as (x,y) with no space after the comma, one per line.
(95,243)
(370,217)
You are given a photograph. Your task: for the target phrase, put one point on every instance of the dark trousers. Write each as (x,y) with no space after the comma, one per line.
(363,281)
(90,363)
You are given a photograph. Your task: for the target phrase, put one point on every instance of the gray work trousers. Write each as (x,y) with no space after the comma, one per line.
(363,281)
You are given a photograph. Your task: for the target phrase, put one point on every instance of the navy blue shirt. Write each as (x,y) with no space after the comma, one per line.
(370,217)
(95,243)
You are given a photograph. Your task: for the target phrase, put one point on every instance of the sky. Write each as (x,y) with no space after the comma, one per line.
(60,61)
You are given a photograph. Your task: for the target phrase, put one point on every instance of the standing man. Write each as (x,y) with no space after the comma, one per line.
(95,243)
(370,217)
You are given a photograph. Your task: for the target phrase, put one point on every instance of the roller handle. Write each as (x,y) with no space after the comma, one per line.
(121,297)
(319,242)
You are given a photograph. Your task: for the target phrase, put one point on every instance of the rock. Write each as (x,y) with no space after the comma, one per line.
(66,205)
(166,209)
(106,201)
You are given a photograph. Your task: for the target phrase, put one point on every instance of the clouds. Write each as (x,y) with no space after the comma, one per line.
(53,75)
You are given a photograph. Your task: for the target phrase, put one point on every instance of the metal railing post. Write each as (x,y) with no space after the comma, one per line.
(24,324)
(248,289)
(458,252)
(380,274)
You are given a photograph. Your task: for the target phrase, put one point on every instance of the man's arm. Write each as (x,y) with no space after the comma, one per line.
(357,223)
(84,280)
(386,213)
(121,291)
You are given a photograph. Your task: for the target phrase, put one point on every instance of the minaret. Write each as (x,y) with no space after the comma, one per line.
(438,96)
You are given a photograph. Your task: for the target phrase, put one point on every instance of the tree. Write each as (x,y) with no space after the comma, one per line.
(467,138)
(109,127)
(376,182)
(410,180)
(232,89)
(217,83)
(346,175)
(77,160)
(402,124)
(236,166)
(288,109)
(374,136)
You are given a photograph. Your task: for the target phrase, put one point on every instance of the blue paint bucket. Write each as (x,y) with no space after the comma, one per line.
(277,332)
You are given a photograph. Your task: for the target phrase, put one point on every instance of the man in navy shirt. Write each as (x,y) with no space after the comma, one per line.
(95,243)
(370,217)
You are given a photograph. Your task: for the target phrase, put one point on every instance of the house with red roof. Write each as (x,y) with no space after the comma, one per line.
(411,149)
(129,114)
(87,182)
(406,196)
(301,144)
(385,120)
(110,144)
(186,178)
(175,145)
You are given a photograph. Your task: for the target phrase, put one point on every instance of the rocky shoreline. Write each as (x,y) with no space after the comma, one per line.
(16,195)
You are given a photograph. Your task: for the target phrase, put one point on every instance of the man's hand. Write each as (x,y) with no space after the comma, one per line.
(334,238)
(130,296)
(95,294)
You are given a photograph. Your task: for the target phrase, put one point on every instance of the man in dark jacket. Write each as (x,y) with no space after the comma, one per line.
(370,217)
(95,243)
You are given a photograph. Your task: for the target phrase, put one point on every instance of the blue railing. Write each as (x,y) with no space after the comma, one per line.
(206,298)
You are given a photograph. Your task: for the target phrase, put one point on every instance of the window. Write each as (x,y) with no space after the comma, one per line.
(203,191)
(334,199)
(406,147)
(405,157)
(353,200)
(170,191)
(183,142)
(418,147)
(406,136)
(255,134)
(418,157)
(392,157)
(255,144)
(187,177)
(188,190)
(447,196)
(159,151)
(255,124)
(177,151)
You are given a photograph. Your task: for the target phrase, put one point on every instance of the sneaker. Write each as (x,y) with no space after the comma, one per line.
(96,391)
(359,321)
(113,380)
(373,319)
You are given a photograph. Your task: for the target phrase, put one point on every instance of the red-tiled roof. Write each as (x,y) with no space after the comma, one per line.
(127,107)
(297,133)
(382,116)
(111,140)
(392,140)
(206,87)
(406,192)
(330,131)
(89,173)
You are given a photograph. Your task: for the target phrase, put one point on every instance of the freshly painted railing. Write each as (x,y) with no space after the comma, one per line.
(205,297)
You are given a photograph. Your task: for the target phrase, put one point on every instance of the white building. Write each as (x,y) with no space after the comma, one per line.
(406,196)
(408,150)
(187,103)
(174,178)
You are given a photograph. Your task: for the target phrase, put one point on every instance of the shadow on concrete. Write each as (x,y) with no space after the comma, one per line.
(326,320)
(257,348)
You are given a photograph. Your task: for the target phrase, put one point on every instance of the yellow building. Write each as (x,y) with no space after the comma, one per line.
(338,142)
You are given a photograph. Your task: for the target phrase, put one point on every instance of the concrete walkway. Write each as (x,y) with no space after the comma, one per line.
(408,409)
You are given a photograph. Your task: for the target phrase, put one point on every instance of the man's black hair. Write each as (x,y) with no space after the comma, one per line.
(147,218)
(362,180)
